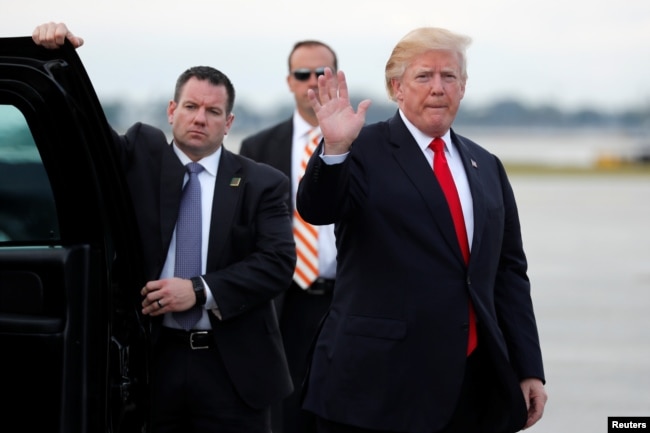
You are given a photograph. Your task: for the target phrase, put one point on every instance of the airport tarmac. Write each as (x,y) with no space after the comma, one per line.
(587,239)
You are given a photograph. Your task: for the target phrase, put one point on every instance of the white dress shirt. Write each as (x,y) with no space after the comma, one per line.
(326,237)
(207,177)
(456,168)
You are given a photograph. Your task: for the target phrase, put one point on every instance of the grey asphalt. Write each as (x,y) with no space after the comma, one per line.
(587,239)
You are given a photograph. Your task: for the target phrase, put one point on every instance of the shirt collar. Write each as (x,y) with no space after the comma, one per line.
(300,126)
(424,140)
(209,163)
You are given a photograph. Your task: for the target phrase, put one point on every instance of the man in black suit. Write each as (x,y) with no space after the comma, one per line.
(223,373)
(283,146)
(432,327)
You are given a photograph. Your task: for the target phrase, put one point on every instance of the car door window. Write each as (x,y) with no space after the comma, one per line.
(27,208)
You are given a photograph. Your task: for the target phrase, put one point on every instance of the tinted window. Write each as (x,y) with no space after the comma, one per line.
(27,209)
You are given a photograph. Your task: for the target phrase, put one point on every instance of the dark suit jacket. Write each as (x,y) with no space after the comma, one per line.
(251,254)
(391,353)
(272,146)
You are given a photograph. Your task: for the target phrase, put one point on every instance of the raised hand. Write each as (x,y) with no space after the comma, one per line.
(53,35)
(339,123)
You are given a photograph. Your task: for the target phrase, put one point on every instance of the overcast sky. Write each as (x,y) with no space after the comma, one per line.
(570,53)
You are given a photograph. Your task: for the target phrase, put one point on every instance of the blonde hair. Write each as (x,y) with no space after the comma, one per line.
(419,41)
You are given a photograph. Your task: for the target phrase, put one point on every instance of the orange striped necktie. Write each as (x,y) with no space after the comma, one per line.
(446,181)
(305,234)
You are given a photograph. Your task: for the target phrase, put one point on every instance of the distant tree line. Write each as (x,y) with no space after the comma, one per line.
(506,113)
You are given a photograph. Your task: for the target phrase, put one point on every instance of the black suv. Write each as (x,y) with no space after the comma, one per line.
(73,345)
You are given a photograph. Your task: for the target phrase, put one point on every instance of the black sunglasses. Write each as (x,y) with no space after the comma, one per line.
(303,74)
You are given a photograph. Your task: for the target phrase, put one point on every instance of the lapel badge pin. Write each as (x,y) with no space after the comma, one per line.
(474,164)
(235,181)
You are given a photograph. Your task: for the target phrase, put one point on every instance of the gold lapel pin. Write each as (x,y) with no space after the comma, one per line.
(235,181)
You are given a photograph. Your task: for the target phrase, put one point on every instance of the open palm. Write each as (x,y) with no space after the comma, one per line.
(338,121)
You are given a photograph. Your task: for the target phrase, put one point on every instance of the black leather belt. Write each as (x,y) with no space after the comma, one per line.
(321,286)
(191,339)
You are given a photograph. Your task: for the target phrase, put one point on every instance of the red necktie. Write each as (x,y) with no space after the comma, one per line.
(446,181)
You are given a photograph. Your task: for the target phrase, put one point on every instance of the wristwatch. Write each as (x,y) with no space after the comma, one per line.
(199,290)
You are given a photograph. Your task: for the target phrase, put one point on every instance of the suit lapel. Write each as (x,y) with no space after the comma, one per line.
(281,145)
(228,188)
(280,156)
(171,187)
(415,166)
(473,172)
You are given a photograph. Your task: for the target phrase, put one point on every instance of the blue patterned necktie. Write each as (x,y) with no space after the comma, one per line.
(188,240)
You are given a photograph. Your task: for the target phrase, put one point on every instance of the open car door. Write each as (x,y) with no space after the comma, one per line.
(73,344)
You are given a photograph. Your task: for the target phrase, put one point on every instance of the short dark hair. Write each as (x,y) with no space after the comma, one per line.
(214,76)
(312,43)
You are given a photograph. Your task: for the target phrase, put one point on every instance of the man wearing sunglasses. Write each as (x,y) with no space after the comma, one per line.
(284,146)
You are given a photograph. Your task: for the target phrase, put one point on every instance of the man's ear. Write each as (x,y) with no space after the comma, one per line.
(171,107)
(396,85)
